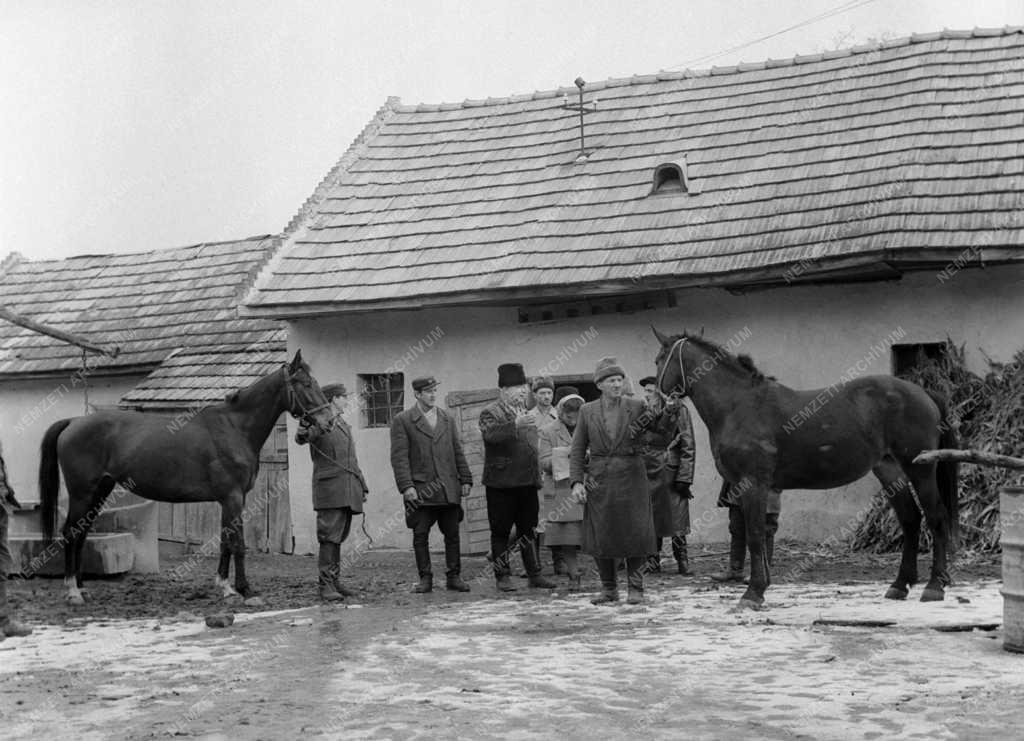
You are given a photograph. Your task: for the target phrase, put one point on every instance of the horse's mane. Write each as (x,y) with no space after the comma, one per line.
(741,363)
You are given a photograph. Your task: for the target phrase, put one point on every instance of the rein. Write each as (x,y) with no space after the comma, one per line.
(677,347)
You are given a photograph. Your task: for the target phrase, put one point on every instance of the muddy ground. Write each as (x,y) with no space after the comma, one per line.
(138,662)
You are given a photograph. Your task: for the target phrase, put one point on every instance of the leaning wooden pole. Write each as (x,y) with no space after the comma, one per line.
(24,321)
(970,456)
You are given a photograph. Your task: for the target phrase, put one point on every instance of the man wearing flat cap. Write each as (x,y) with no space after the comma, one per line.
(617,518)
(512,477)
(339,490)
(433,476)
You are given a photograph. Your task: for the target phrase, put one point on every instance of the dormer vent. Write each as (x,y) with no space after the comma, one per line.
(672,177)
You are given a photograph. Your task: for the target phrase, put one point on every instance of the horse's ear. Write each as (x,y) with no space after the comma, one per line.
(665,341)
(296,365)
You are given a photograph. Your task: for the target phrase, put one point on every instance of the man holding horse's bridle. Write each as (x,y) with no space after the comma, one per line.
(8,625)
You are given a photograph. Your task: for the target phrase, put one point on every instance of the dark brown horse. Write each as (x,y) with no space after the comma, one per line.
(766,436)
(213,457)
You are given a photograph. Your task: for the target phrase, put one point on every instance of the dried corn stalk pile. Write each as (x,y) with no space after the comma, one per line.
(990,415)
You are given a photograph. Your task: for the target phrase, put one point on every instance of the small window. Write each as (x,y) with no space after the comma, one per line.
(381,397)
(673,177)
(906,359)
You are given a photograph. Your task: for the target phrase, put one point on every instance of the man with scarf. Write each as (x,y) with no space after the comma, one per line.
(617,518)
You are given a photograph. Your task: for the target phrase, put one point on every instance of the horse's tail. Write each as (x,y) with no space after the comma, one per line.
(49,478)
(947,473)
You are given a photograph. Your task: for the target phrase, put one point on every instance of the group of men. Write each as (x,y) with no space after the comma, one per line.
(610,478)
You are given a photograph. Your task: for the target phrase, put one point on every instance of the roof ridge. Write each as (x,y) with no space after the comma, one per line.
(156,251)
(667,74)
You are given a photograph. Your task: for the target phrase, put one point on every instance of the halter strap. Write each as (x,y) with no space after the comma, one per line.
(295,407)
(677,347)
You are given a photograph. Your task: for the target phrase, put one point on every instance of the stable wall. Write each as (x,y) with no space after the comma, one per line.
(806,336)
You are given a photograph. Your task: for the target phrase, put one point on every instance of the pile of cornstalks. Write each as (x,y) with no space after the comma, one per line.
(990,416)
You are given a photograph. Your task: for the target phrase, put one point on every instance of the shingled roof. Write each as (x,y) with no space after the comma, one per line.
(884,156)
(149,304)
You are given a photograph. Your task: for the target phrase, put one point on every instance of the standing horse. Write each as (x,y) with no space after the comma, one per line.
(213,457)
(766,436)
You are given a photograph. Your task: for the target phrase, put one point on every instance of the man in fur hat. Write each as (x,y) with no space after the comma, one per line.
(512,476)
(339,490)
(617,518)
(433,476)
(8,625)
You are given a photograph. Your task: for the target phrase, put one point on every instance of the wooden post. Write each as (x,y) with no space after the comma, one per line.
(970,456)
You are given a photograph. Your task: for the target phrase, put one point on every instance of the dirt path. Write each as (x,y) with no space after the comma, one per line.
(478,666)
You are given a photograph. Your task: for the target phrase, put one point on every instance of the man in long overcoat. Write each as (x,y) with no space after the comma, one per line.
(433,476)
(339,490)
(617,518)
(8,625)
(512,477)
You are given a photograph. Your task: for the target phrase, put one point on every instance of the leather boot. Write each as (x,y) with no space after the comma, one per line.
(502,574)
(653,565)
(326,569)
(336,568)
(635,580)
(422,553)
(606,568)
(737,548)
(453,566)
(532,566)
(679,552)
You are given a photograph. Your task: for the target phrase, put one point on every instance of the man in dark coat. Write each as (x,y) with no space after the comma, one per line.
(339,490)
(512,477)
(617,517)
(8,625)
(433,476)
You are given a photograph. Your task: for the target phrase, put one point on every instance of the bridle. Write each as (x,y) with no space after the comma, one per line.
(295,407)
(677,348)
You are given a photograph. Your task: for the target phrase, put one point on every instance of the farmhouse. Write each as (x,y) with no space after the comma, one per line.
(180,344)
(830,215)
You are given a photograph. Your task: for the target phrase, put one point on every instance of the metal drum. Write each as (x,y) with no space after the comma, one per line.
(1011,517)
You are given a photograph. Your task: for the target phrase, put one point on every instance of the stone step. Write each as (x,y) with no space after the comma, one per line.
(104,554)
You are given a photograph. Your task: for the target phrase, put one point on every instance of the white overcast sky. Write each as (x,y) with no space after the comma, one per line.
(131,126)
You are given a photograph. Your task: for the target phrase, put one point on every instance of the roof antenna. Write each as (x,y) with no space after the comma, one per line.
(582,108)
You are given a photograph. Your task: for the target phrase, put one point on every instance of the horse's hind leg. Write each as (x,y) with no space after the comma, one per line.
(82,512)
(230,522)
(896,490)
(923,478)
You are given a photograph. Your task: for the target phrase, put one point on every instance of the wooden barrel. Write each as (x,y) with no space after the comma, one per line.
(1011,523)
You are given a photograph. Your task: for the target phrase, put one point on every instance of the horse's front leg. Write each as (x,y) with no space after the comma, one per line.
(753,505)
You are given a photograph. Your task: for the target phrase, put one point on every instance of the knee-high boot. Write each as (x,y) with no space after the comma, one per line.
(327,570)
(679,552)
(737,547)
(500,556)
(532,566)
(635,579)
(606,568)
(421,550)
(453,566)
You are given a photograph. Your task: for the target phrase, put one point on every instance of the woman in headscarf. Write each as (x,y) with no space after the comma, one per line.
(561,513)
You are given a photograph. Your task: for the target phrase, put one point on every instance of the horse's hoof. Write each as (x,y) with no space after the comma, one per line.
(746,603)
(932,595)
(894,593)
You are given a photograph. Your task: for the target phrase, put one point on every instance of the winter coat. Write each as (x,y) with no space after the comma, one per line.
(431,460)
(654,445)
(337,479)
(510,453)
(557,502)
(617,518)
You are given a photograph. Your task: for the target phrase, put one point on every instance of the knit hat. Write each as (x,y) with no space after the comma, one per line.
(607,366)
(543,382)
(511,374)
(562,391)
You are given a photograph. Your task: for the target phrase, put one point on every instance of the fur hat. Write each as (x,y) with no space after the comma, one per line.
(543,382)
(607,366)
(511,374)
(334,389)
(562,391)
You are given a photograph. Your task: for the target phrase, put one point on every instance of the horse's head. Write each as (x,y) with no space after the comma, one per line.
(671,374)
(306,401)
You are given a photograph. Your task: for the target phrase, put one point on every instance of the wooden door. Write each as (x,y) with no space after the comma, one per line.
(465,407)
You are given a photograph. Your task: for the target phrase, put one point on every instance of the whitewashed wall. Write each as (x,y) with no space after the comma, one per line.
(806,336)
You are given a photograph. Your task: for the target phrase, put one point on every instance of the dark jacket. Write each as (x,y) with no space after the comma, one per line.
(337,479)
(431,460)
(682,452)
(510,454)
(617,516)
